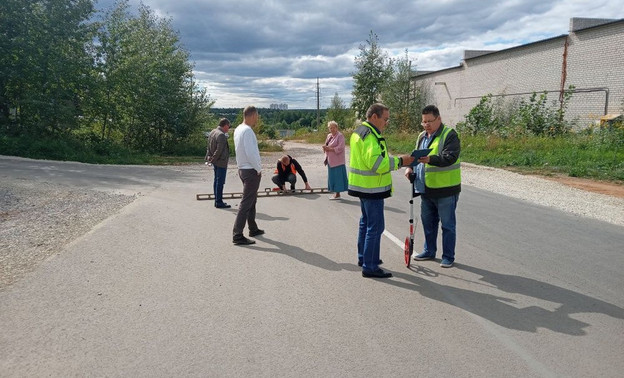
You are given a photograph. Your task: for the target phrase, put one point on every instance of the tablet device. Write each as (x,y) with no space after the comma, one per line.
(420,153)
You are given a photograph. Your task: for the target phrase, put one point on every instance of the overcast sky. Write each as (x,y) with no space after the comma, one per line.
(253,52)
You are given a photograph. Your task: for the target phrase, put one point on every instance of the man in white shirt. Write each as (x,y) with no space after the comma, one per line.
(250,173)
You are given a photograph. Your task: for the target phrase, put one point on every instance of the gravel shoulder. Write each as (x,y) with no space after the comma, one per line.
(37,219)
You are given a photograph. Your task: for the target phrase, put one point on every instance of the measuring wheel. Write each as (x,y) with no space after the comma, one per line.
(408,252)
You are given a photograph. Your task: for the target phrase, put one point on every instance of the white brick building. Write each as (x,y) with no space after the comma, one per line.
(593,62)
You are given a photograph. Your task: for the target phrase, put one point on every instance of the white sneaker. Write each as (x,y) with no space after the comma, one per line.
(334,198)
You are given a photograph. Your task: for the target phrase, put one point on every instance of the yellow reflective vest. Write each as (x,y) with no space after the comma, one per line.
(370,164)
(441,179)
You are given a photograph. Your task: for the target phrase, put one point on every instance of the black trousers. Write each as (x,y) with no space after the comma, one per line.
(292,179)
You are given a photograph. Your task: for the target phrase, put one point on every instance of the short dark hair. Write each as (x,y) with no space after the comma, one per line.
(377,108)
(431,109)
(224,122)
(250,110)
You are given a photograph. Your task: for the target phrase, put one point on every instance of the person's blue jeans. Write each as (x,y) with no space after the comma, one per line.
(369,236)
(219,181)
(432,212)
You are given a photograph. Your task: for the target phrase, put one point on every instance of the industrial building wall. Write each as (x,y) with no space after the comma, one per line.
(595,59)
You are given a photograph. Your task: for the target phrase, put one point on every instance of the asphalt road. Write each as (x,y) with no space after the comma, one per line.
(159,290)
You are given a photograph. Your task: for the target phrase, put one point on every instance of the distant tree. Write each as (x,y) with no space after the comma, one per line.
(146,82)
(404,99)
(339,112)
(373,69)
(239,118)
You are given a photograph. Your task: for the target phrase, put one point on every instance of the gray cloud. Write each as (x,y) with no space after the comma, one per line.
(263,52)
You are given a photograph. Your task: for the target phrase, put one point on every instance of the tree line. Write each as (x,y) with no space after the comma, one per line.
(67,72)
(290,119)
(115,79)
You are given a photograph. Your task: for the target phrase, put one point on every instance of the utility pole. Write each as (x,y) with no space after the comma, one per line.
(318,104)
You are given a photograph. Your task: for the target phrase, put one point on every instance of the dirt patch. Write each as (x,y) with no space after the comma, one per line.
(601,187)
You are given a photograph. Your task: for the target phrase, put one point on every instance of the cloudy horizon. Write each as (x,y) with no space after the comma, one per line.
(265,52)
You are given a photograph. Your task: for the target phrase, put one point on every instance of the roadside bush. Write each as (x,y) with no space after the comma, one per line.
(481,119)
(517,118)
(610,134)
(268,130)
(540,119)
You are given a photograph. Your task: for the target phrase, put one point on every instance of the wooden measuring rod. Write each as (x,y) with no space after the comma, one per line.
(268,192)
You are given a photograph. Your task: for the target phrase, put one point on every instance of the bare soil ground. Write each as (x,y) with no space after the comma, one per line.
(602,187)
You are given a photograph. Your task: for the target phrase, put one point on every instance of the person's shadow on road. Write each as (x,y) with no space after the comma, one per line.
(503,310)
(267,217)
(302,255)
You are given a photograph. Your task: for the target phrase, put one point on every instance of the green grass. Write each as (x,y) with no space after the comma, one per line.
(576,155)
(81,150)
(573,155)
(594,155)
(85,150)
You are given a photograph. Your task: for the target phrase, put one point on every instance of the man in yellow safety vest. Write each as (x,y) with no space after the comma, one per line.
(438,182)
(370,180)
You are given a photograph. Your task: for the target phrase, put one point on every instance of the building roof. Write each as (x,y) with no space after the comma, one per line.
(577,24)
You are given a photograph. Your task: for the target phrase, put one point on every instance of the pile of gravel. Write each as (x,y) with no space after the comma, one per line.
(37,219)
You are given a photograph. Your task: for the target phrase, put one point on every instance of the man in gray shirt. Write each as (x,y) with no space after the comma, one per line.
(218,154)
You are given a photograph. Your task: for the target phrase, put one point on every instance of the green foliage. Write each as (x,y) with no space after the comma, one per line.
(404,99)
(540,119)
(44,64)
(517,119)
(292,119)
(125,80)
(401,142)
(267,130)
(482,119)
(373,69)
(146,82)
(339,112)
(316,137)
(577,155)
(608,134)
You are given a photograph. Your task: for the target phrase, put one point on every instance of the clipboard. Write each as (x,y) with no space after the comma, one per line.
(420,153)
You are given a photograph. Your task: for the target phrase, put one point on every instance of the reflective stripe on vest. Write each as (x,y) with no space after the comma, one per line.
(441,177)
(377,178)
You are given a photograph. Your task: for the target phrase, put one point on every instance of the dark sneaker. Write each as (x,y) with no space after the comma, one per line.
(222,206)
(241,240)
(446,263)
(379,273)
(257,232)
(423,256)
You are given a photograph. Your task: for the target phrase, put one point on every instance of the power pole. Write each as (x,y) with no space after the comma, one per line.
(318,104)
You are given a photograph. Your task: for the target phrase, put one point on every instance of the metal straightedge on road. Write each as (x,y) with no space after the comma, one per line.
(268,192)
